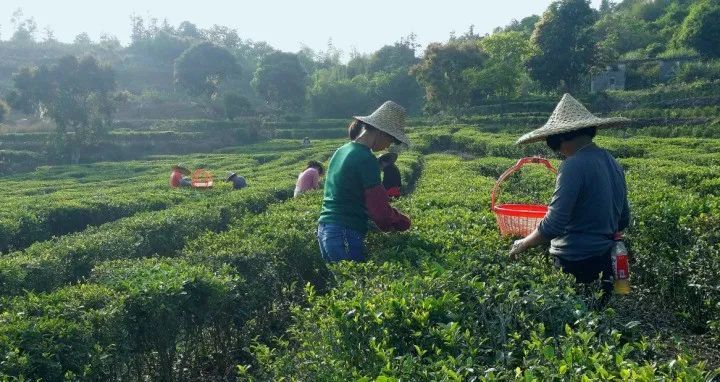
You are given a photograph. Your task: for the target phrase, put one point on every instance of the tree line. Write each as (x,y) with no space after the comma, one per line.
(538,55)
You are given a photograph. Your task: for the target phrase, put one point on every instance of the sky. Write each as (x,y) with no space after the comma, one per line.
(363,25)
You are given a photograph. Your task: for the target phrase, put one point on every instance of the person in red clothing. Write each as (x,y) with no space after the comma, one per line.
(353,190)
(178,177)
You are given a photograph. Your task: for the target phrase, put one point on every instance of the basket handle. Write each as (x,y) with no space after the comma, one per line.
(517,166)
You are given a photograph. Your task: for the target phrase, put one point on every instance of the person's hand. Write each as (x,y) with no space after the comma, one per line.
(517,248)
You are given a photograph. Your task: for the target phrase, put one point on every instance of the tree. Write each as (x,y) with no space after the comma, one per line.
(189,30)
(110,43)
(4,110)
(237,105)
(525,26)
(24,29)
(400,56)
(701,29)
(138,32)
(82,40)
(202,67)
(504,72)
(329,57)
(75,94)
(281,80)
(670,22)
(49,35)
(330,97)
(565,49)
(398,86)
(648,10)
(440,73)
(358,64)
(223,36)
(606,7)
(618,33)
(163,47)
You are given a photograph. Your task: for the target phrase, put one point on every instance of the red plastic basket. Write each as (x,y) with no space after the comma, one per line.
(518,219)
(202,179)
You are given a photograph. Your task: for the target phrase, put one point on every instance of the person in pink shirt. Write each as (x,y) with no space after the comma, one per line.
(310,178)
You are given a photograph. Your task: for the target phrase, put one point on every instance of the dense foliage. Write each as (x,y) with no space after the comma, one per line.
(75,94)
(208,286)
(201,68)
(565,49)
(108,274)
(557,51)
(701,28)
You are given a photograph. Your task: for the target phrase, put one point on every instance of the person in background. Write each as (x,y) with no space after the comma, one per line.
(353,190)
(590,202)
(391,174)
(310,178)
(237,181)
(306,142)
(178,176)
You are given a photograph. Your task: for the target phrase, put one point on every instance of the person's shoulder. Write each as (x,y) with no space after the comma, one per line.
(573,164)
(366,159)
(357,150)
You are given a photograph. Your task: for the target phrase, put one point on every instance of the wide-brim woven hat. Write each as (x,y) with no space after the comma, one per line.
(180,168)
(570,115)
(390,157)
(230,176)
(389,118)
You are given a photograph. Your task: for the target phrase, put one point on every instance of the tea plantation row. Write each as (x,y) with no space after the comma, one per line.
(186,318)
(233,287)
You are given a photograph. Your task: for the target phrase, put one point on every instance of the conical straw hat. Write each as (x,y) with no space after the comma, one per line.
(389,118)
(570,115)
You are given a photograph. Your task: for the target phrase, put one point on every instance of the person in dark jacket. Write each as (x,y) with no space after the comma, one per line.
(391,174)
(353,190)
(238,181)
(590,201)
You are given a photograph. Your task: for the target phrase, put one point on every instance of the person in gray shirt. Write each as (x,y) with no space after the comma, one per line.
(590,202)
(237,181)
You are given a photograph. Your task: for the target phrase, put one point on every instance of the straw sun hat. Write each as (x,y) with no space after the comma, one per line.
(570,115)
(182,169)
(388,118)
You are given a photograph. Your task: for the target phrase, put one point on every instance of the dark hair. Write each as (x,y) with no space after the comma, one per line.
(356,127)
(554,141)
(317,165)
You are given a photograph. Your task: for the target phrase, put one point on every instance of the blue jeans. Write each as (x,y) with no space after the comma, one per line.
(340,243)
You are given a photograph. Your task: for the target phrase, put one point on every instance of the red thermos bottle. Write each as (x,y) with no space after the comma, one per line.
(621,268)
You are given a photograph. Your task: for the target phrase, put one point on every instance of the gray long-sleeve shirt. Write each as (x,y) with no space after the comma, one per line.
(589,205)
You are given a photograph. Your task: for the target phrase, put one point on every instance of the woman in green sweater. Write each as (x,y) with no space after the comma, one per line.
(353,190)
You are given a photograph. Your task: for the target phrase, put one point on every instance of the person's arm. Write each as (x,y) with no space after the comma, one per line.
(377,202)
(567,188)
(382,214)
(522,245)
